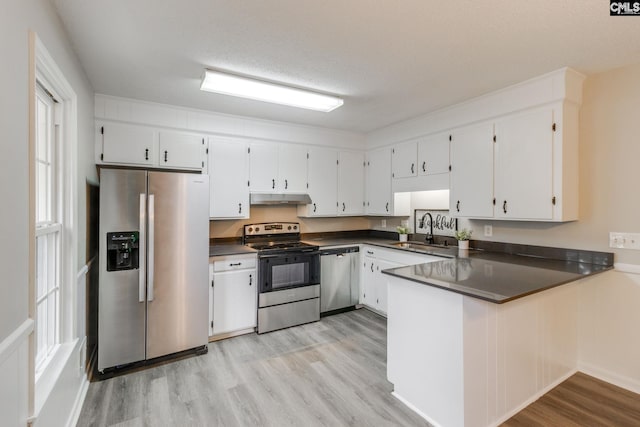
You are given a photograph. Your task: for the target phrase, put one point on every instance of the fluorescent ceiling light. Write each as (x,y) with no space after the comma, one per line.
(229,84)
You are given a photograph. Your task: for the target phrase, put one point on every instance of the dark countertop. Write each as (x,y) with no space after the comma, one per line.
(229,249)
(496,277)
(498,273)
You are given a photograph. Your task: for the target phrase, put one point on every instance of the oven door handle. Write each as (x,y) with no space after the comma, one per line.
(269,256)
(289,253)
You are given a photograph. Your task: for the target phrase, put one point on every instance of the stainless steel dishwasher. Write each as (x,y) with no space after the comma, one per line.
(339,278)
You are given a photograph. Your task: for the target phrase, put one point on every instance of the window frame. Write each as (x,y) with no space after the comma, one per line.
(43,69)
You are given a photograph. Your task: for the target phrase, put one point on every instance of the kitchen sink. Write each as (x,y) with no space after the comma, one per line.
(419,246)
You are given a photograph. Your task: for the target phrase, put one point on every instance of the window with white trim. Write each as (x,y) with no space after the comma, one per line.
(48,227)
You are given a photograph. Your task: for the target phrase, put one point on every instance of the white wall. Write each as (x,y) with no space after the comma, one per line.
(15,22)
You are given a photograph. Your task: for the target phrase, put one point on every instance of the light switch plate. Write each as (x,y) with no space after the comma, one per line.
(624,240)
(488,230)
(383,223)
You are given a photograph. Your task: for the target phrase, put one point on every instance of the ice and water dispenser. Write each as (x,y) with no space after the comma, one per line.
(122,251)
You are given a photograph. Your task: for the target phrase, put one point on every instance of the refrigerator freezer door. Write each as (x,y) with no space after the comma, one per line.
(178,250)
(121,306)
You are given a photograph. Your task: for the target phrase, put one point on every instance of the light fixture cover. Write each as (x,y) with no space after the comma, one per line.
(244,87)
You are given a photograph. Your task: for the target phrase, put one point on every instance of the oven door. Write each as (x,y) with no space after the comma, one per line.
(288,270)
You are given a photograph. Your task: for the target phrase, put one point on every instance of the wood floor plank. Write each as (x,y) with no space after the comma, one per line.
(582,401)
(327,373)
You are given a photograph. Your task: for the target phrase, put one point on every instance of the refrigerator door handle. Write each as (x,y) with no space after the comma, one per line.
(141,245)
(150,248)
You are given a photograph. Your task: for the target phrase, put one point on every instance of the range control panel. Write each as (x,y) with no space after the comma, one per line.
(271,228)
(122,251)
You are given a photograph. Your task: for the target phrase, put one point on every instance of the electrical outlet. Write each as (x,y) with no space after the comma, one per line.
(624,240)
(383,223)
(488,230)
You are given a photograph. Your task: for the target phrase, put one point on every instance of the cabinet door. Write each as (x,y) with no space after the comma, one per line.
(181,151)
(234,301)
(210,299)
(404,158)
(524,166)
(378,171)
(471,193)
(367,280)
(350,183)
(128,144)
(263,166)
(433,154)
(228,178)
(381,283)
(323,181)
(292,168)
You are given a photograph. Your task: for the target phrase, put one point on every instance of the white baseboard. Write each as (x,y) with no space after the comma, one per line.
(533,398)
(610,377)
(414,409)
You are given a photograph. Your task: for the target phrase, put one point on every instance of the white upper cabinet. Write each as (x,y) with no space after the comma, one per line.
(471,192)
(278,168)
(124,144)
(292,168)
(433,154)
(404,159)
(228,178)
(127,144)
(181,151)
(524,165)
(351,183)
(263,167)
(323,183)
(379,198)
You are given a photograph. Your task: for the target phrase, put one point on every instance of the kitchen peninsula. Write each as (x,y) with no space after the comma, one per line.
(474,339)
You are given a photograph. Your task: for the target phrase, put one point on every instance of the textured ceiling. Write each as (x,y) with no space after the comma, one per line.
(390,60)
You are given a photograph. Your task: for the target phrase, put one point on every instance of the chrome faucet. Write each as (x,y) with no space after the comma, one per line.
(429,238)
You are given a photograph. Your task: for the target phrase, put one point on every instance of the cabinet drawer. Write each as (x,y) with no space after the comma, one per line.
(234,263)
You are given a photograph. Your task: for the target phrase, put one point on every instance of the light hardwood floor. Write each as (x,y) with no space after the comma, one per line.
(328,373)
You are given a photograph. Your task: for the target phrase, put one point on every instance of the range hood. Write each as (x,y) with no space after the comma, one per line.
(279,198)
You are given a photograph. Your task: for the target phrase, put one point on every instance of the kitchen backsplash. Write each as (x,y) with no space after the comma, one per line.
(286,213)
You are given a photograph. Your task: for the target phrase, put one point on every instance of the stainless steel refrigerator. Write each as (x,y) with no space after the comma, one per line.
(154,254)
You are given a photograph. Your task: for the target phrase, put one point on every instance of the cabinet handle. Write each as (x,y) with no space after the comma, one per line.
(424,166)
(458,206)
(235,264)
(370,252)
(504,206)
(387,207)
(146,154)
(314,207)
(412,167)
(239,208)
(286,184)
(372,267)
(250,280)
(273,183)
(165,155)
(343,206)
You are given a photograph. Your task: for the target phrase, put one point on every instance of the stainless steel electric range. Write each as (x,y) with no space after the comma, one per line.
(288,275)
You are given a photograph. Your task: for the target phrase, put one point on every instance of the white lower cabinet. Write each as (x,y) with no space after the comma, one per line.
(233,294)
(373,283)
